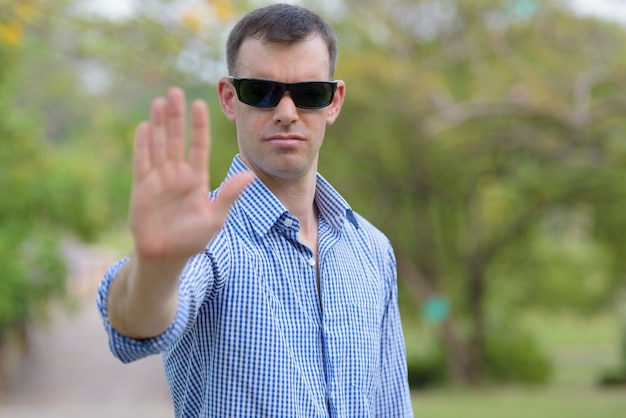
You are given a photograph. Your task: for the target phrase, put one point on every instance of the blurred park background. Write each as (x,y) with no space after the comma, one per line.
(486,138)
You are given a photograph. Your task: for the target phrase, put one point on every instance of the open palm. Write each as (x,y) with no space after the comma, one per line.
(171,216)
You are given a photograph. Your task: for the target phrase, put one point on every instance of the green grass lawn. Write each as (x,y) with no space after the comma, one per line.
(581,350)
(521,403)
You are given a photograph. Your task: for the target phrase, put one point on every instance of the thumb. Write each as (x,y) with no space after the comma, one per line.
(231,190)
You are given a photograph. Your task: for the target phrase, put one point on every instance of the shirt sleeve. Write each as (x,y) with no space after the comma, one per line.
(197,282)
(394,398)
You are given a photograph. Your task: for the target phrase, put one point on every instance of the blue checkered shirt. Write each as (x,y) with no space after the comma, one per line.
(252,338)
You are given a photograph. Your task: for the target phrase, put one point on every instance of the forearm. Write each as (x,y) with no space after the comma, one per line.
(143,297)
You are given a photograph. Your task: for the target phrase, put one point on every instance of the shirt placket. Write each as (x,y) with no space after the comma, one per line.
(305,287)
(328,237)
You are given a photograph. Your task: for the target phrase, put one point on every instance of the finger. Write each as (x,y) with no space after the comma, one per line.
(200,137)
(231,190)
(141,153)
(175,123)
(158,137)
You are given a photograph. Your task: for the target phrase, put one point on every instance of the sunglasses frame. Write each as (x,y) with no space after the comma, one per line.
(292,88)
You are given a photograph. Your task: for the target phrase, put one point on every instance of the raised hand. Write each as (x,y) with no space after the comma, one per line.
(171,216)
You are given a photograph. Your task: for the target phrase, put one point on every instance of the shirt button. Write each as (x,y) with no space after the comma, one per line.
(312,262)
(288,222)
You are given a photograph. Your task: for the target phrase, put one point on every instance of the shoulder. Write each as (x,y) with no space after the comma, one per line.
(370,232)
(374,241)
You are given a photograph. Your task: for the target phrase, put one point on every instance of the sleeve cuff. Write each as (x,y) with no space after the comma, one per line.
(128,349)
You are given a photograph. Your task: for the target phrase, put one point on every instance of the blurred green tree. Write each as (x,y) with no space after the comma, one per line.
(73,86)
(49,190)
(485,138)
(31,269)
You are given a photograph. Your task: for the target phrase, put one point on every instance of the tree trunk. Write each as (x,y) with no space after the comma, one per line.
(476,303)
(456,358)
(455,354)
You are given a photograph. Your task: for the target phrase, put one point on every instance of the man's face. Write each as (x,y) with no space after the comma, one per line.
(283,142)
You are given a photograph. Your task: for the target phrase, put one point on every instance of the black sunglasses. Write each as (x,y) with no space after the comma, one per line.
(267,93)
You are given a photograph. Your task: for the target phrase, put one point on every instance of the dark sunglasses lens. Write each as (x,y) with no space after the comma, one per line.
(259,93)
(313,95)
(265,93)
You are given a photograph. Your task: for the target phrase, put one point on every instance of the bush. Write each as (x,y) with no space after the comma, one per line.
(613,378)
(513,357)
(617,376)
(31,273)
(426,369)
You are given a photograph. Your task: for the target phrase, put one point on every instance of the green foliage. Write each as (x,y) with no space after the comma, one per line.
(426,369)
(67,132)
(49,190)
(562,266)
(31,269)
(489,147)
(617,375)
(613,378)
(514,357)
(32,272)
(14,286)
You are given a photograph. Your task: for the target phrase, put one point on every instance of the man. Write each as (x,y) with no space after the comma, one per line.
(271,298)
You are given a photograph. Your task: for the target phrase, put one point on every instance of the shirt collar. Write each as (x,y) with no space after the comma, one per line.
(263,208)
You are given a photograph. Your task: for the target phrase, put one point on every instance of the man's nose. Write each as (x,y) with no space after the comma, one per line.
(286,111)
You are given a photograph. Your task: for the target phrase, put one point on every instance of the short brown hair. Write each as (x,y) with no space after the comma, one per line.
(280,23)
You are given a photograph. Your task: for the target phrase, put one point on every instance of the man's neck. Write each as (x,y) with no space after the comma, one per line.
(298,196)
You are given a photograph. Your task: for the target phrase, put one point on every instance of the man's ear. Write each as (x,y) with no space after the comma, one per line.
(337,103)
(228,96)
